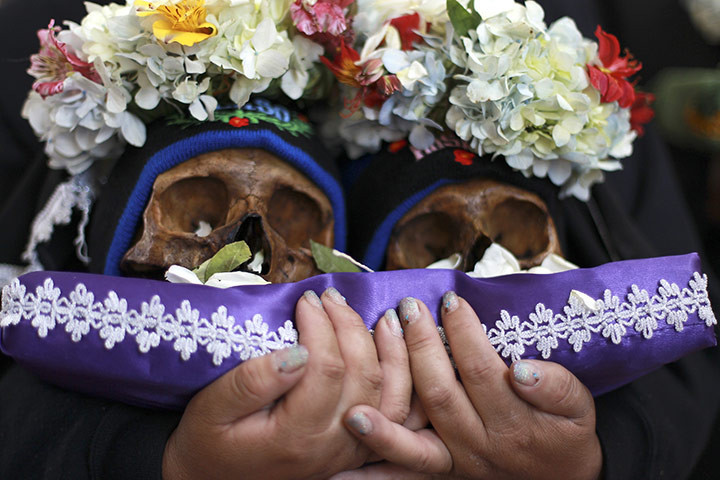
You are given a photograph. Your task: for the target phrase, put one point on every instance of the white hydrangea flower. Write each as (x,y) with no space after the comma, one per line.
(77,127)
(525,95)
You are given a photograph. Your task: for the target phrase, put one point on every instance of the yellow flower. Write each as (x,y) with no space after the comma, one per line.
(182,22)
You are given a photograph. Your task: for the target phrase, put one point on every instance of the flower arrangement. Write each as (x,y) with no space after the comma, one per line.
(548,101)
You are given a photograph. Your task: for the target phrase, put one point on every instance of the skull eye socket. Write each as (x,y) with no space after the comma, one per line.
(295,216)
(519,226)
(190,201)
(426,239)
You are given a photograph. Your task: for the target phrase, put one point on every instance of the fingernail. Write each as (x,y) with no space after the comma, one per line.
(335,296)
(312,298)
(393,322)
(360,423)
(525,374)
(291,359)
(409,310)
(450,302)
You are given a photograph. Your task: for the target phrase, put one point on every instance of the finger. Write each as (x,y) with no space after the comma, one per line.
(381,471)
(416,419)
(313,401)
(251,385)
(442,397)
(553,389)
(395,366)
(483,373)
(362,369)
(420,451)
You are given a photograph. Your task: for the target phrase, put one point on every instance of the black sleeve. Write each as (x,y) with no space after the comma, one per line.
(48,433)
(45,432)
(660,425)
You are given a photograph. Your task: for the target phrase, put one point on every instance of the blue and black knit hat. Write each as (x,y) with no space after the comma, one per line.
(393,181)
(259,124)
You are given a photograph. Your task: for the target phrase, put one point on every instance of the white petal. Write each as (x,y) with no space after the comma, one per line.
(555,263)
(265,35)
(178,274)
(197,110)
(147,98)
(584,299)
(450,263)
(271,64)
(491,8)
(235,279)
(521,161)
(133,130)
(559,171)
(116,100)
(421,138)
(496,261)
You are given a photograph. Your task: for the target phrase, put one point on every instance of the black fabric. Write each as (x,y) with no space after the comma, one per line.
(661,426)
(48,433)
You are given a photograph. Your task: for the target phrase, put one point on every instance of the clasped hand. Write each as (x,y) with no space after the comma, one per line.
(290,414)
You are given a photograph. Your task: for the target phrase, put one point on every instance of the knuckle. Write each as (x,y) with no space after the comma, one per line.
(372,377)
(331,367)
(438,396)
(568,392)
(248,383)
(475,372)
(420,343)
(396,409)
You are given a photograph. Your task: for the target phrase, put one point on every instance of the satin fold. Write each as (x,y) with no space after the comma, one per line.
(155,344)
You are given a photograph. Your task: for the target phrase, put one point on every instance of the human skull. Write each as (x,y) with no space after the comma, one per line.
(242,194)
(467,218)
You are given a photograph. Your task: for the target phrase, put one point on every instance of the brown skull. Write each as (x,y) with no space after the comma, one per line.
(243,194)
(466,218)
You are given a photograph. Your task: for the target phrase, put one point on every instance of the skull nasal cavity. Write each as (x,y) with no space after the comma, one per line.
(295,216)
(251,232)
(189,201)
(519,226)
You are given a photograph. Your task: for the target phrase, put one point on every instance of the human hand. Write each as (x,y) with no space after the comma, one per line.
(280,416)
(535,420)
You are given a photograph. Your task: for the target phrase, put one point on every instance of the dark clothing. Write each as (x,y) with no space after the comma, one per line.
(657,427)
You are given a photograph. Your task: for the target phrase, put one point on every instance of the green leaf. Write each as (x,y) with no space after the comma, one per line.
(328,262)
(228,258)
(462,20)
(202,270)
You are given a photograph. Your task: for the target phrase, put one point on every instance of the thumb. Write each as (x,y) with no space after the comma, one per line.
(251,385)
(551,388)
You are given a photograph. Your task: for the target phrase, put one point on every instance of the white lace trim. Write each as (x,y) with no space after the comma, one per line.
(220,336)
(111,319)
(76,193)
(610,318)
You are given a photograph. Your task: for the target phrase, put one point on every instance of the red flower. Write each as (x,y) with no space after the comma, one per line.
(395,147)
(641,111)
(344,66)
(239,122)
(373,82)
(463,157)
(407,26)
(610,78)
(55,62)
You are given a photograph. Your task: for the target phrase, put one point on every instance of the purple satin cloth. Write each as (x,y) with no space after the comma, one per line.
(106,336)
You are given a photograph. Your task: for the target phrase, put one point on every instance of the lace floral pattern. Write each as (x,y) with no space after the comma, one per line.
(79,313)
(610,318)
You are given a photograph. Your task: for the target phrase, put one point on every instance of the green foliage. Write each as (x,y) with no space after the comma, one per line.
(462,20)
